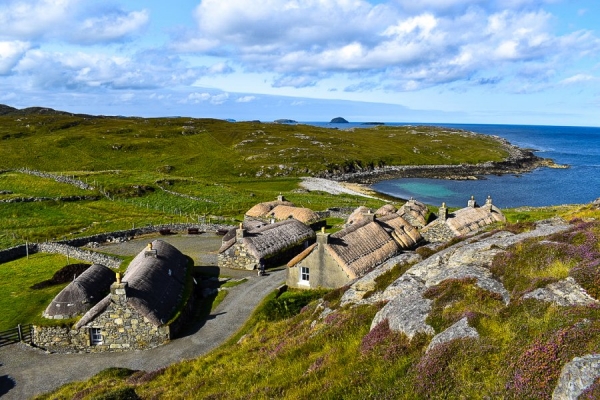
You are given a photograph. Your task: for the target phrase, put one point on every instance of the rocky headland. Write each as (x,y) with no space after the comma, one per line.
(519,161)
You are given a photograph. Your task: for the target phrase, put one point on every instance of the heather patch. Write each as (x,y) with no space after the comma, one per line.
(454,299)
(592,392)
(537,368)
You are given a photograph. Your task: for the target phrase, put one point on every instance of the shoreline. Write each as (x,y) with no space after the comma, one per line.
(518,162)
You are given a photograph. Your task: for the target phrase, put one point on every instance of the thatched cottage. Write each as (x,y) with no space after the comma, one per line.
(138,313)
(462,222)
(270,244)
(280,210)
(82,293)
(414,212)
(336,259)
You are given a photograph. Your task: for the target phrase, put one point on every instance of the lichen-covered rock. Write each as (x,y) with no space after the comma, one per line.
(459,330)
(408,310)
(355,294)
(564,293)
(576,376)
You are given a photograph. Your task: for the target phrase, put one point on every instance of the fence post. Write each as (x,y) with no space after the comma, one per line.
(20,333)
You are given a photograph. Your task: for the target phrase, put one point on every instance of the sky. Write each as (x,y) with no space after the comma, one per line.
(533,62)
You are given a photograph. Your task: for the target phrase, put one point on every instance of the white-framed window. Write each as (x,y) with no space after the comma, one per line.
(304,274)
(95,336)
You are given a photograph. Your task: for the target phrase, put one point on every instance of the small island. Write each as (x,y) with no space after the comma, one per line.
(285,121)
(338,120)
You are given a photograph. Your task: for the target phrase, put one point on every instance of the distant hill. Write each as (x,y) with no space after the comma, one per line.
(7,110)
(338,120)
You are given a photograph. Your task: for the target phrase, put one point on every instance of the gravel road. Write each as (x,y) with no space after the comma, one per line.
(26,372)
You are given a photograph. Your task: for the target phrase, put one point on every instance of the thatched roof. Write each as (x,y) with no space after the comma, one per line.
(302,255)
(464,221)
(154,285)
(230,237)
(304,215)
(81,294)
(414,212)
(357,215)
(469,219)
(406,235)
(271,239)
(262,209)
(385,210)
(361,246)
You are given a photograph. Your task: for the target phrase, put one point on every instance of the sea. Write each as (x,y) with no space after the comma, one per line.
(577,147)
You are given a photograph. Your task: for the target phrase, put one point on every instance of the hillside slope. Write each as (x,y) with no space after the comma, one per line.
(521,304)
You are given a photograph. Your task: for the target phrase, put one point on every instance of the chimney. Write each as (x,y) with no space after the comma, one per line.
(472,203)
(488,203)
(118,291)
(280,197)
(443,212)
(240,232)
(322,237)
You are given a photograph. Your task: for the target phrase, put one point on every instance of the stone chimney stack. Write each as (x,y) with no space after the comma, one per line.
(488,203)
(472,203)
(240,233)
(280,197)
(443,212)
(322,237)
(118,291)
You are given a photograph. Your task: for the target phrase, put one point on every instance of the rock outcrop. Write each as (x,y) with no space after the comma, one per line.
(460,330)
(564,293)
(407,309)
(576,376)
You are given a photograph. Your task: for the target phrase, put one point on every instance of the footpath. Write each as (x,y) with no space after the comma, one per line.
(26,372)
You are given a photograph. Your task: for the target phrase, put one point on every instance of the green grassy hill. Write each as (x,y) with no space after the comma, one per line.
(164,170)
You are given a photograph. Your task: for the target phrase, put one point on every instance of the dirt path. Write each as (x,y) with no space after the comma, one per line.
(26,372)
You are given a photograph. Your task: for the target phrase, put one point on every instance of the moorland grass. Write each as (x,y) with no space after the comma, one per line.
(19,303)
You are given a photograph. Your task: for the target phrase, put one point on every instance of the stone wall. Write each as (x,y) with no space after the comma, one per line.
(16,252)
(80,254)
(437,232)
(237,257)
(58,178)
(38,199)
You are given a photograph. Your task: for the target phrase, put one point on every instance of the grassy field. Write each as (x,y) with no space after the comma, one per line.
(19,303)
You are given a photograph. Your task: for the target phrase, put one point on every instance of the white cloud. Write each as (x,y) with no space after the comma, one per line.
(219,98)
(31,19)
(408,45)
(579,78)
(10,54)
(246,99)
(111,27)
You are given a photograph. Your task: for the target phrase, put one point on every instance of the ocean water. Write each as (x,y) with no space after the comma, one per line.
(578,147)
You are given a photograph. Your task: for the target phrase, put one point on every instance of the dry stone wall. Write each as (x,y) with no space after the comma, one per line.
(237,257)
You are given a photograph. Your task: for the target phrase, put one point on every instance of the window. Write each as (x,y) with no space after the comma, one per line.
(304,273)
(95,336)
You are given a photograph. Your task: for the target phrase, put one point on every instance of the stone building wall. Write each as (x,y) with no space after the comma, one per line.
(437,232)
(237,257)
(122,327)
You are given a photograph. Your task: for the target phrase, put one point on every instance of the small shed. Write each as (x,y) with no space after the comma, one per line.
(270,244)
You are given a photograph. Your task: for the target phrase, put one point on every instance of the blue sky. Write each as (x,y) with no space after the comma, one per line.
(462,61)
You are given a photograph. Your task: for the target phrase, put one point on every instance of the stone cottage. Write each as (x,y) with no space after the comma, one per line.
(462,222)
(336,259)
(139,313)
(271,244)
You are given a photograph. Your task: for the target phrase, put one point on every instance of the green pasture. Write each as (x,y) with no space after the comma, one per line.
(19,303)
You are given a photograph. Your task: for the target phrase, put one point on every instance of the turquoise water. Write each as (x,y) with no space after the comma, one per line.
(578,147)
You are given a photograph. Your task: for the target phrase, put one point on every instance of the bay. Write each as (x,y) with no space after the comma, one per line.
(578,147)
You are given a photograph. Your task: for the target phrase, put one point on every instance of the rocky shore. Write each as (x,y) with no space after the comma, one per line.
(519,161)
